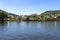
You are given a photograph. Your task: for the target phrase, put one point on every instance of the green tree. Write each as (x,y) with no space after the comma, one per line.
(27,18)
(2,16)
(18,18)
(37,17)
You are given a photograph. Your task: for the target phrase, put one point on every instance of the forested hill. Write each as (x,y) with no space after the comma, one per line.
(2,11)
(52,12)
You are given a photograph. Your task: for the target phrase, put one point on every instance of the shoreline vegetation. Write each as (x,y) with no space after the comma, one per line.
(53,15)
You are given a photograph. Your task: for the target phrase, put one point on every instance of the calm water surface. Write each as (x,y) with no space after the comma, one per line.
(29,30)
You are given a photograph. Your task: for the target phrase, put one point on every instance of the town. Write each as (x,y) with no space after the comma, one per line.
(45,16)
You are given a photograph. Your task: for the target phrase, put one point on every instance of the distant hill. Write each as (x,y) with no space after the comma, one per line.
(52,12)
(2,11)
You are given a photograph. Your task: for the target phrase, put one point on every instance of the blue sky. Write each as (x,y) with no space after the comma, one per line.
(26,7)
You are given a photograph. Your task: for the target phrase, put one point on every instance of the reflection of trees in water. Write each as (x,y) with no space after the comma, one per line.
(3,24)
(18,21)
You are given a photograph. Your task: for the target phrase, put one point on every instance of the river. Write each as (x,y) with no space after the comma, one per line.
(29,30)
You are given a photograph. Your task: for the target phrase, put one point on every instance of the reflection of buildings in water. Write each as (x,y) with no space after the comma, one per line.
(48,26)
(3,25)
(53,25)
(56,26)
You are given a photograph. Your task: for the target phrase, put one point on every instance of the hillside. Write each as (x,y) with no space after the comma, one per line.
(52,12)
(2,11)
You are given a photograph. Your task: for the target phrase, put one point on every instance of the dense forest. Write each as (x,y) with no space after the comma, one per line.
(52,12)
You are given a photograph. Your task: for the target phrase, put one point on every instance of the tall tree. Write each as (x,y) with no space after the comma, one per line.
(2,16)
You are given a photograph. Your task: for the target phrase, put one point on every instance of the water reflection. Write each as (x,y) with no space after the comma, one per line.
(3,25)
(30,30)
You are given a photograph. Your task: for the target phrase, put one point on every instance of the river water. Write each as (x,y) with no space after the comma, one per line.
(29,30)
